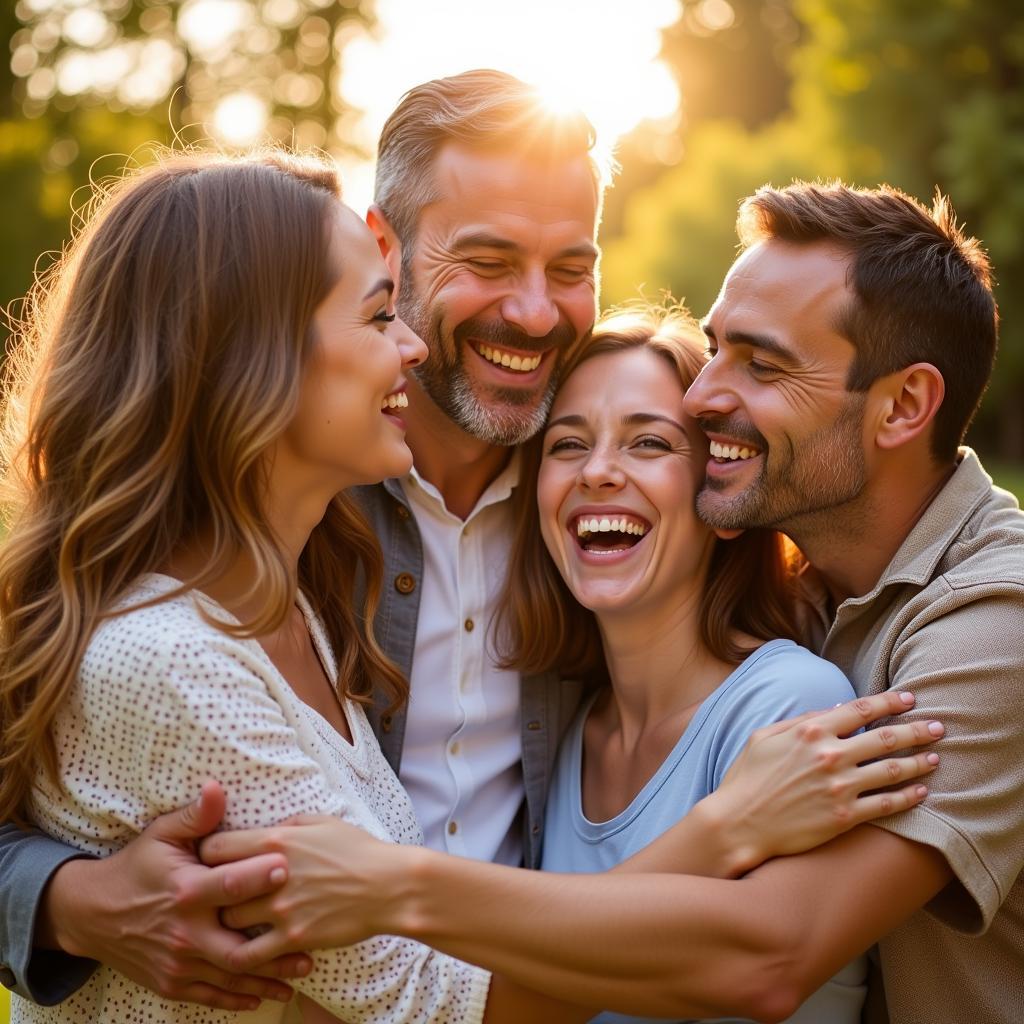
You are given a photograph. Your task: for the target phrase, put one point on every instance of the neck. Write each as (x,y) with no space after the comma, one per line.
(657,661)
(238,587)
(459,465)
(851,550)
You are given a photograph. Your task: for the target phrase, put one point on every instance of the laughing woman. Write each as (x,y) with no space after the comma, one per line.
(615,577)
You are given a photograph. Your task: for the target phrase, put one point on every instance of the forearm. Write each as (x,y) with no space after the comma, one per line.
(29,861)
(637,943)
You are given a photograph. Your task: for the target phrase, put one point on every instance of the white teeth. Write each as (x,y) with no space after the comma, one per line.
(524,364)
(608,525)
(726,451)
(398,400)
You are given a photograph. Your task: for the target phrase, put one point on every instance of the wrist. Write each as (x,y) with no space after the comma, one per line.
(409,911)
(735,850)
(62,907)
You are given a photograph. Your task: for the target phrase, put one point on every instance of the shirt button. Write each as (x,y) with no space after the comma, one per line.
(403,512)
(454,748)
(469,625)
(533,726)
(7,978)
(535,830)
(452,828)
(385,723)
(405,583)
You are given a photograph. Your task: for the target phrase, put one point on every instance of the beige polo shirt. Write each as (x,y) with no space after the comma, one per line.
(946,620)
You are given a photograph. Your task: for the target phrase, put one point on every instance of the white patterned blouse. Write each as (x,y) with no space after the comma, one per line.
(164,701)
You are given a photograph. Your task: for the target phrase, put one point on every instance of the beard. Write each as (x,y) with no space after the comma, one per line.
(792,488)
(503,416)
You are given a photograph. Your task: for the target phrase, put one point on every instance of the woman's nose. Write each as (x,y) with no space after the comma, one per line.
(601,470)
(411,346)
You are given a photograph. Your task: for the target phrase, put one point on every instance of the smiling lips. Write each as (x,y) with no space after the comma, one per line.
(731,452)
(608,534)
(396,400)
(509,360)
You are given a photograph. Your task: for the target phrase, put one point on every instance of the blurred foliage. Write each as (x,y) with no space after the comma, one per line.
(194,56)
(87,85)
(919,94)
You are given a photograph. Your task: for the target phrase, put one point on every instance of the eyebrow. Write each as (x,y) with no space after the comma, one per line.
(485,240)
(633,419)
(385,284)
(764,342)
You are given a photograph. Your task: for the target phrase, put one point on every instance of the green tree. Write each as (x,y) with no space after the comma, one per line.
(921,95)
(89,84)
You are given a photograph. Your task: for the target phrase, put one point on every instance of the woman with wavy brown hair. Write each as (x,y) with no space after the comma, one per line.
(212,362)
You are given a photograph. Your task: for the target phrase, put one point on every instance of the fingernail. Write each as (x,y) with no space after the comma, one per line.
(278,876)
(921,792)
(936,728)
(907,698)
(281,995)
(304,968)
(932,758)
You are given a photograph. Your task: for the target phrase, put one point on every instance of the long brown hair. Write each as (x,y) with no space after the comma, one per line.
(541,627)
(153,368)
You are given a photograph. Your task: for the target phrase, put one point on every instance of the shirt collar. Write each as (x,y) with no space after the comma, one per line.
(498,490)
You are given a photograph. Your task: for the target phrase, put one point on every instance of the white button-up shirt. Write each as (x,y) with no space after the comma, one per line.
(462,753)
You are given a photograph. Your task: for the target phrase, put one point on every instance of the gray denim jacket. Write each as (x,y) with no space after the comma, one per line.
(29,859)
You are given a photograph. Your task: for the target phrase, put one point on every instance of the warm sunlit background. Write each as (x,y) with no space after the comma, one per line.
(703,100)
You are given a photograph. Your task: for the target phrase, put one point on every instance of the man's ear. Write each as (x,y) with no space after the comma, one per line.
(723,534)
(910,399)
(387,240)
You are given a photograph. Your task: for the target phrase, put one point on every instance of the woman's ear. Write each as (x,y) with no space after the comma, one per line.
(387,241)
(911,397)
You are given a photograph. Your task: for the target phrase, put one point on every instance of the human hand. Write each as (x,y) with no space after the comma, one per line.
(150,911)
(803,781)
(341,885)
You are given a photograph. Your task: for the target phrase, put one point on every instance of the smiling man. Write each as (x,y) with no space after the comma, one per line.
(850,346)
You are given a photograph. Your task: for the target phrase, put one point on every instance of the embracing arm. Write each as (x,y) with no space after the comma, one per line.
(675,944)
(28,862)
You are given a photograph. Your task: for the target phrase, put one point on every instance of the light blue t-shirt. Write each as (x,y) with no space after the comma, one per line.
(777,681)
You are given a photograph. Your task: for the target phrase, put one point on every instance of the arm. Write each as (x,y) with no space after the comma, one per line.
(28,861)
(672,944)
(640,943)
(151,911)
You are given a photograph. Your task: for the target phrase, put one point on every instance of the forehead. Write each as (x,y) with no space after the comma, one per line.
(620,383)
(532,198)
(795,292)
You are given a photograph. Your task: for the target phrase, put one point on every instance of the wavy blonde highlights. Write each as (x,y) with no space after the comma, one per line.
(748,592)
(153,368)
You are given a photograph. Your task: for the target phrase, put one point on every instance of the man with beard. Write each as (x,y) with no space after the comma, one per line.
(850,346)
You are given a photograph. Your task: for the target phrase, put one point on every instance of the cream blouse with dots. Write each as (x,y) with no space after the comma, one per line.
(164,701)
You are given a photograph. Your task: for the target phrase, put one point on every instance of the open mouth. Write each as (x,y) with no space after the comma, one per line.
(608,534)
(517,362)
(396,400)
(724,452)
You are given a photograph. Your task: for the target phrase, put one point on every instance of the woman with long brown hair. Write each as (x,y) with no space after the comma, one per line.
(212,362)
(688,641)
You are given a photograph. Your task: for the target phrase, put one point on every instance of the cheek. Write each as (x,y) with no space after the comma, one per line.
(551,491)
(580,307)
